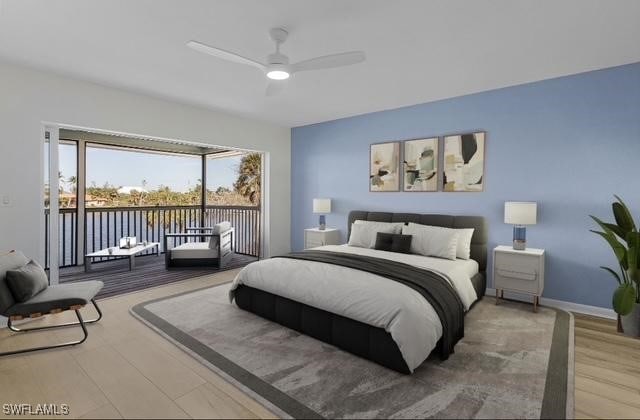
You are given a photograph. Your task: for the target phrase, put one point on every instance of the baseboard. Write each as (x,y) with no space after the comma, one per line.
(560,304)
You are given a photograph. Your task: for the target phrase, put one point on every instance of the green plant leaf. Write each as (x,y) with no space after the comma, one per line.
(618,249)
(623,215)
(623,299)
(633,239)
(613,273)
(610,227)
(622,234)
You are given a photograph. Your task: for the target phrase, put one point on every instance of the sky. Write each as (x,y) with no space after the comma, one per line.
(130,168)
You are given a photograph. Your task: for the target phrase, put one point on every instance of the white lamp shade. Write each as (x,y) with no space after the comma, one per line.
(520,212)
(322,205)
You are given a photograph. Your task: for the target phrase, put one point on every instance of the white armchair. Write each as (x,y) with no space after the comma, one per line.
(215,251)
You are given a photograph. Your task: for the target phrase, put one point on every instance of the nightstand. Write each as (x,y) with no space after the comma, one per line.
(316,237)
(518,271)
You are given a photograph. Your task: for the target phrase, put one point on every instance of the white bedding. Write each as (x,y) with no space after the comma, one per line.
(365,297)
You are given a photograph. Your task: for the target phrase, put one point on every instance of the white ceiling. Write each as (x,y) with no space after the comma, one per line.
(417,51)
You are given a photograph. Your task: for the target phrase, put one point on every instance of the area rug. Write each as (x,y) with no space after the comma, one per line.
(512,363)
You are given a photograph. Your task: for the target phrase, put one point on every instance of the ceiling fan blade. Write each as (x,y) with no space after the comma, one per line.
(330,61)
(225,55)
(275,87)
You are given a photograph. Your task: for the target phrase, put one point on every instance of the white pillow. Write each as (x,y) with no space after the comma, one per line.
(464,243)
(432,241)
(364,232)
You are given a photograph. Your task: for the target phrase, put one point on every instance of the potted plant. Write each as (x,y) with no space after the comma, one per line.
(624,239)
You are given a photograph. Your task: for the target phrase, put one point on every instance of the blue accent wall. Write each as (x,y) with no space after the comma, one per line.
(568,143)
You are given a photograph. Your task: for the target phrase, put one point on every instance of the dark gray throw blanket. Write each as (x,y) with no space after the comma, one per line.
(432,286)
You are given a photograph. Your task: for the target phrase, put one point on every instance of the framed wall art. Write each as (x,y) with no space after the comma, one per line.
(384,167)
(464,162)
(420,164)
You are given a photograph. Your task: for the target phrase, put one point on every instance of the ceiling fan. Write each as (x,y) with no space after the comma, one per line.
(277,67)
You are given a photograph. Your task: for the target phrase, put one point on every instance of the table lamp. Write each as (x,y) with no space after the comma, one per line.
(322,206)
(519,214)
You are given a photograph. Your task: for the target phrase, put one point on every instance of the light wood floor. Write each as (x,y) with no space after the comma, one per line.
(123,370)
(127,370)
(607,370)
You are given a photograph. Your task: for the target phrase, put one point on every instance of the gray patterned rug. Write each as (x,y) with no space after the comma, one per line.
(512,363)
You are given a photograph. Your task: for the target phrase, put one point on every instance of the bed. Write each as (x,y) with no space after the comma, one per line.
(362,312)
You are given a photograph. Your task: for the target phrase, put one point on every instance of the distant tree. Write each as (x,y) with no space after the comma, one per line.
(249,177)
(60,182)
(73,182)
(222,190)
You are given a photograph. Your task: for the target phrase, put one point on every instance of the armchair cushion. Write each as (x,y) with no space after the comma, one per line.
(60,296)
(194,250)
(221,227)
(218,229)
(26,282)
(10,261)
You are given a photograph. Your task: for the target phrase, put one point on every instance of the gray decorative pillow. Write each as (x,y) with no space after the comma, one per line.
(27,281)
(393,242)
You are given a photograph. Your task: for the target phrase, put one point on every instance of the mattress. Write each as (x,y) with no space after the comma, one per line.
(365,297)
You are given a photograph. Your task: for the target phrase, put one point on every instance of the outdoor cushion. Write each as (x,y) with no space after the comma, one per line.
(196,250)
(10,261)
(218,229)
(26,282)
(60,296)
(221,227)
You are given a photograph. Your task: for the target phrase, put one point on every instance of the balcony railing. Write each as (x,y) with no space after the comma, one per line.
(104,226)
(68,237)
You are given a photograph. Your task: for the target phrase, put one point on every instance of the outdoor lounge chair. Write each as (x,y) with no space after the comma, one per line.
(214,250)
(51,300)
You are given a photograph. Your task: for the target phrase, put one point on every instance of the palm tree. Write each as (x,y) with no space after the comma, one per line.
(60,182)
(73,181)
(249,177)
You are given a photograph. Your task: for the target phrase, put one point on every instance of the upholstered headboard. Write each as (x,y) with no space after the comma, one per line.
(478,241)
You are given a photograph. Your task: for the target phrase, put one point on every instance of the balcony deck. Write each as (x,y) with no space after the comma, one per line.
(149,272)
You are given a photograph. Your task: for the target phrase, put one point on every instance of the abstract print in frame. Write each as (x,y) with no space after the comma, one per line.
(384,167)
(464,162)
(421,165)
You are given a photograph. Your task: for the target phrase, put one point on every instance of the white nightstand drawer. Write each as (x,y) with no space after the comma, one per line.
(530,276)
(315,237)
(517,281)
(314,243)
(521,263)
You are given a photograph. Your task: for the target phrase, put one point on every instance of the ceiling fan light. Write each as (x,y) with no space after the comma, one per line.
(278,74)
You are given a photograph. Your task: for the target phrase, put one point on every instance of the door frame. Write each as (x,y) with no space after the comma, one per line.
(54,207)
(51,132)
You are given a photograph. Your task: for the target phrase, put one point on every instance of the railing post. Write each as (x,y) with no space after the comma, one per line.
(203,194)
(81,191)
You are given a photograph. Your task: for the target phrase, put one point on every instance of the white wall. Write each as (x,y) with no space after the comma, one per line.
(29,97)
